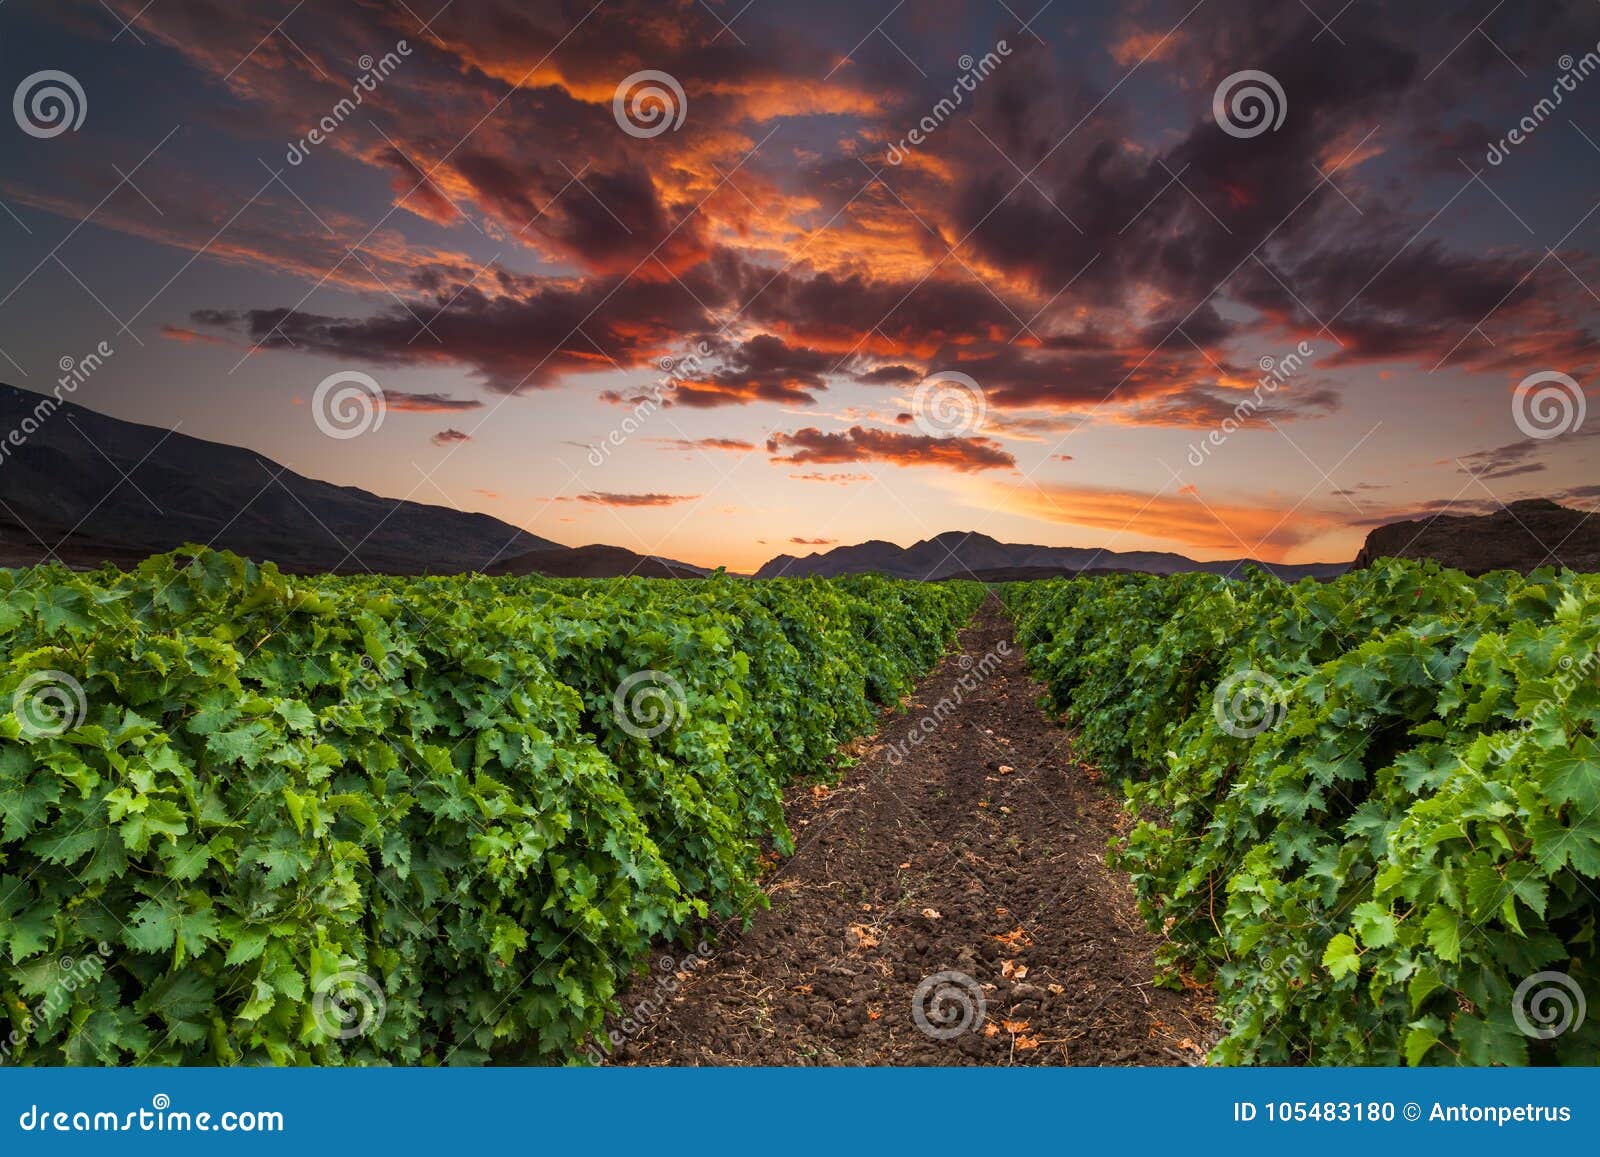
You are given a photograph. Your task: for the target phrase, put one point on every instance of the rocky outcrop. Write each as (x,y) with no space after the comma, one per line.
(1521,537)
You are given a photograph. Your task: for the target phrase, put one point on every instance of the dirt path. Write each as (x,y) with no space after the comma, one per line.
(973,867)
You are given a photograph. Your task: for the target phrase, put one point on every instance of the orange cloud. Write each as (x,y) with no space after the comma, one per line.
(1217,529)
(178,333)
(859,444)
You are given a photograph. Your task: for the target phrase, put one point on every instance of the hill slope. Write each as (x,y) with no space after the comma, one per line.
(89,488)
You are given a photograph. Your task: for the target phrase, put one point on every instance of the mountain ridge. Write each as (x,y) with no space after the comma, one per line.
(85,488)
(968,554)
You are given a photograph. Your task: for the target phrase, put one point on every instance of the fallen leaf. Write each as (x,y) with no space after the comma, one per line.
(931,914)
(1014,1026)
(819,791)
(1005,810)
(1027,1042)
(861,936)
(1002,911)
(991,1029)
(907,864)
(1055,988)
(1006,769)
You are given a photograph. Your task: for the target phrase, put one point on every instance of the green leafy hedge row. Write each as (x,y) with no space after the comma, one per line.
(247,817)
(1377,854)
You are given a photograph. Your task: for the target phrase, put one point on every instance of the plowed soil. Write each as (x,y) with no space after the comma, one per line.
(948,906)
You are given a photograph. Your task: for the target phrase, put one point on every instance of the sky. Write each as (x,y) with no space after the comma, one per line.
(719,280)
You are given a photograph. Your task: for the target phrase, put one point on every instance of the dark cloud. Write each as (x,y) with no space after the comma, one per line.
(859,444)
(427,403)
(764,368)
(450,437)
(1202,407)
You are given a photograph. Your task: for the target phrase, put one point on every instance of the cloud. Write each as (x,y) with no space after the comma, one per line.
(409,403)
(763,368)
(840,479)
(814,541)
(187,336)
(1202,407)
(732,445)
(523,333)
(859,444)
(1222,529)
(635,500)
(450,437)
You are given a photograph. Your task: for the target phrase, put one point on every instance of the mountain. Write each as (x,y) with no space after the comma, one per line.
(90,488)
(1521,536)
(955,554)
(594,562)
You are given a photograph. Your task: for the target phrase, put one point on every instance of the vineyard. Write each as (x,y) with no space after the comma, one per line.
(241,810)
(1368,811)
(249,818)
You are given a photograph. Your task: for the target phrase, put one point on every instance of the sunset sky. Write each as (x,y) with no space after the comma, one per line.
(516,259)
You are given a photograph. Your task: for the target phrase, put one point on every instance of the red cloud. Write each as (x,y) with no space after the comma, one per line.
(859,444)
